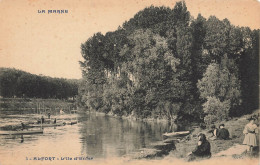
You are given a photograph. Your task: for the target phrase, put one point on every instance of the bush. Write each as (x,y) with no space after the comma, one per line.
(215,110)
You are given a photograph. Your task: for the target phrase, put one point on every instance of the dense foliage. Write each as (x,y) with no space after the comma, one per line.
(16,83)
(163,63)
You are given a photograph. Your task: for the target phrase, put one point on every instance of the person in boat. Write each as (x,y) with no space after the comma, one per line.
(61,111)
(23,126)
(250,132)
(202,150)
(22,139)
(214,131)
(42,120)
(49,115)
(223,133)
(38,121)
(54,122)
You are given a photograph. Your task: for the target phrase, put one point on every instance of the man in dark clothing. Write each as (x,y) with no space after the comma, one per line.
(202,150)
(42,119)
(223,133)
(23,126)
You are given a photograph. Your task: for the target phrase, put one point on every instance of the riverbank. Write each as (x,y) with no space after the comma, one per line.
(219,148)
(134,118)
(36,105)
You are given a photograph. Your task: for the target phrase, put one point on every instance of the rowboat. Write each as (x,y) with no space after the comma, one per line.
(176,134)
(72,123)
(15,126)
(48,125)
(24,132)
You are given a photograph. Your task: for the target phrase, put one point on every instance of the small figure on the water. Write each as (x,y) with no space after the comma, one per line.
(38,121)
(61,111)
(54,121)
(202,151)
(250,131)
(214,132)
(42,120)
(23,126)
(22,139)
(223,133)
(49,115)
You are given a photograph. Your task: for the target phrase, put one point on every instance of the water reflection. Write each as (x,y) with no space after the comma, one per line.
(103,136)
(96,136)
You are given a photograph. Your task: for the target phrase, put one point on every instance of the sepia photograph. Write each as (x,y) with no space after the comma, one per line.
(170,82)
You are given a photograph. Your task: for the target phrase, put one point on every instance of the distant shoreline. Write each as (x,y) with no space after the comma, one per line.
(36,105)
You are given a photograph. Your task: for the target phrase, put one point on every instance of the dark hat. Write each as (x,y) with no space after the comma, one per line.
(251,118)
(203,136)
(213,127)
(222,125)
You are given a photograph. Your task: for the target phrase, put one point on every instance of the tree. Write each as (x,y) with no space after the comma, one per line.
(220,84)
(16,83)
(150,68)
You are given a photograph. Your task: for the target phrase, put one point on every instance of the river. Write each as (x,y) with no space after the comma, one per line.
(95,136)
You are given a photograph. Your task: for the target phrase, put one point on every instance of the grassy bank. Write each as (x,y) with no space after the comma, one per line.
(235,127)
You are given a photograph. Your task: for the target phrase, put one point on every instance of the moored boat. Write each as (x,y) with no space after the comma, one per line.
(48,125)
(24,132)
(176,134)
(72,122)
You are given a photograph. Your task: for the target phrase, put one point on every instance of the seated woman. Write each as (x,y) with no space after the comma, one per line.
(202,150)
(223,133)
(214,132)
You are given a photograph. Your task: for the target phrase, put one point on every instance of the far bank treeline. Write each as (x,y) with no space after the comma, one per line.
(163,63)
(17,83)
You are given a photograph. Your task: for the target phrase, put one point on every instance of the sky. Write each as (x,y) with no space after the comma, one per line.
(49,44)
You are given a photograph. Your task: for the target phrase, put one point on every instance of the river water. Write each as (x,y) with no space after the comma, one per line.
(95,136)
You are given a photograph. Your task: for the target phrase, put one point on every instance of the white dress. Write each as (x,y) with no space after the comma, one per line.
(250,134)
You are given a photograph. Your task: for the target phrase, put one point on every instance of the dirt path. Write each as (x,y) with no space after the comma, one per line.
(236,149)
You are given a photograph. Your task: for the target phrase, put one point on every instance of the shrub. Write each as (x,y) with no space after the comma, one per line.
(215,110)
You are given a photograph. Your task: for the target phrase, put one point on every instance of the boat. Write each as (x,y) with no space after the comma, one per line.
(47,119)
(24,132)
(15,126)
(176,134)
(72,122)
(48,125)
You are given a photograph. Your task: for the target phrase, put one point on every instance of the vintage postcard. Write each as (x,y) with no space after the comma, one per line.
(129,82)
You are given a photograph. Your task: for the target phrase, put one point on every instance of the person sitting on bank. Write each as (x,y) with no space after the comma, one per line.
(202,150)
(223,133)
(54,122)
(214,132)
